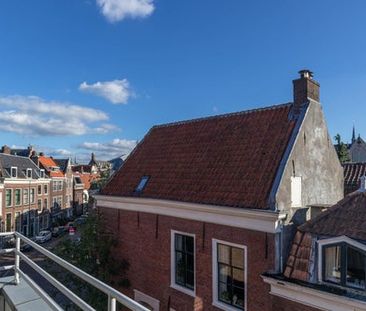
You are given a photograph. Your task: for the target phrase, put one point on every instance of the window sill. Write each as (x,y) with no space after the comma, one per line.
(183,290)
(225,307)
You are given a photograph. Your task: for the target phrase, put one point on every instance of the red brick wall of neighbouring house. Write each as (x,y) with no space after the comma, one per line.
(144,240)
(281,304)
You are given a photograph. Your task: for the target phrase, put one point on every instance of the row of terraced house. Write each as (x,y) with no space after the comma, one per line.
(36,191)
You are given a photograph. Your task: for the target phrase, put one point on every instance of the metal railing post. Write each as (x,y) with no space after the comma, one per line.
(112,303)
(17,260)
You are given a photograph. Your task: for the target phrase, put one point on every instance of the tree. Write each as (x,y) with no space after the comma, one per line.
(341,149)
(93,254)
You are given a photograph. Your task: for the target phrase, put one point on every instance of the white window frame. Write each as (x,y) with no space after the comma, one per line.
(11,171)
(336,240)
(29,170)
(34,195)
(11,197)
(39,200)
(21,197)
(173,284)
(45,189)
(26,196)
(41,173)
(215,301)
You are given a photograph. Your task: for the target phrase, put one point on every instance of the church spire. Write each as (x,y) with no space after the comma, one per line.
(353,134)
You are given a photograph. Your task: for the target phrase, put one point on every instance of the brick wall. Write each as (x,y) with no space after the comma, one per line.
(144,240)
(281,304)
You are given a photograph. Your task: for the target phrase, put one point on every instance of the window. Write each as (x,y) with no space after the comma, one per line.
(32,195)
(25,196)
(142,183)
(39,205)
(41,173)
(8,222)
(8,197)
(229,275)
(57,185)
(13,172)
(183,262)
(344,264)
(29,173)
(17,196)
(18,222)
(39,189)
(45,189)
(45,203)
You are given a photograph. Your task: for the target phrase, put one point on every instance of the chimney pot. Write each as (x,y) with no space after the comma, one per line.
(305,73)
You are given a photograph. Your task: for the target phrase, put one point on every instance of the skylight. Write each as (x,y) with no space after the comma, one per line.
(142,183)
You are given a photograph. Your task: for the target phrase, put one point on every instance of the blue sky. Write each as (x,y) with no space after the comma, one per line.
(79,76)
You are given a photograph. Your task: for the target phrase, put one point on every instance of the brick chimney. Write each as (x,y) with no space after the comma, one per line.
(305,88)
(5,149)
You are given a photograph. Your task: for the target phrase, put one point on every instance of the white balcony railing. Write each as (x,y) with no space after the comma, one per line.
(113,295)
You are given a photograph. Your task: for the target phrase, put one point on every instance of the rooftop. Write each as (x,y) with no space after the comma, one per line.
(228,160)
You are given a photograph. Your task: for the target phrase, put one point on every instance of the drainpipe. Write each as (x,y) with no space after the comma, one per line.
(281,220)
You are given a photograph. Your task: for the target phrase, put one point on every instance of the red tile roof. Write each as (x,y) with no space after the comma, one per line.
(48,163)
(352,175)
(347,217)
(227,160)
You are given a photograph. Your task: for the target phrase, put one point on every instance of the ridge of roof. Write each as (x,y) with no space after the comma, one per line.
(225,115)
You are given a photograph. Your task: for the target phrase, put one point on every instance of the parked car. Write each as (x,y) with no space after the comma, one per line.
(58,231)
(80,221)
(43,236)
(24,247)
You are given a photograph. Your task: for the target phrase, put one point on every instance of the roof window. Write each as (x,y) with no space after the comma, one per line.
(29,173)
(14,172)
(142,184)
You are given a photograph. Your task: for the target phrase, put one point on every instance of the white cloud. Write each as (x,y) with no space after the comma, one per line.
(116,91)
(117,10)
(34,116)
(109,150)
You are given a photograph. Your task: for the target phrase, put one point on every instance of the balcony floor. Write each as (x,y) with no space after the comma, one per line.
(20,297)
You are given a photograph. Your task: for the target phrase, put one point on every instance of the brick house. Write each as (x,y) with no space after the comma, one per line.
(201,208)
(326,269)
(24,195)
(60,193)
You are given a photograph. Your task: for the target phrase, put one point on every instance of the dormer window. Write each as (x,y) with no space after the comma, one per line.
(41,173)
(14,172)
(142,184)
(29,173)
(343,262)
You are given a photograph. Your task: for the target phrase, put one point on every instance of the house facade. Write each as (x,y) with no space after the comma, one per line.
(25,195)
(326,269)
(201,208)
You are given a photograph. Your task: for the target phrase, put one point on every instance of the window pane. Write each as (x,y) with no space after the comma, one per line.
(225,292)
(332,271)
(179,242)
(355,268)
(189,244)
(224,273)
(223,253)
(180,270)
(238,277)
(238,297)
(190,262)
(237,257)
(190,279)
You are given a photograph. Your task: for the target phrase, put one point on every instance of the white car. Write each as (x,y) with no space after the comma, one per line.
(43,236)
